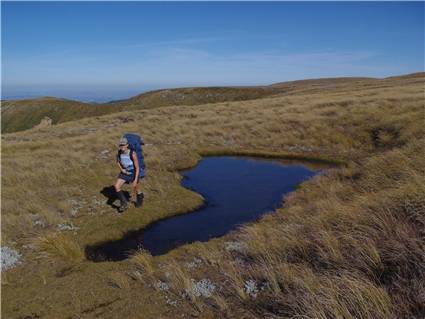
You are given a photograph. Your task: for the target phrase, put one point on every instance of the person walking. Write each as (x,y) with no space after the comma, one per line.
(129,174)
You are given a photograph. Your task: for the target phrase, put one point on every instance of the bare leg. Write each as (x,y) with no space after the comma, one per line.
(138,188)
(118,184)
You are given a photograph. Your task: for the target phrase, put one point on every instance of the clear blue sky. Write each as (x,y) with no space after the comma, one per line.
(75,49)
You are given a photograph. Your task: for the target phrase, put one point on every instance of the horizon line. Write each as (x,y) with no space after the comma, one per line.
(200,86)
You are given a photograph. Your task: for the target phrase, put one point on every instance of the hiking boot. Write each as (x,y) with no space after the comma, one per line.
(123,201)
(139,200)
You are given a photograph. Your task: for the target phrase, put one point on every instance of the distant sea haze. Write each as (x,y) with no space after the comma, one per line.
(88,98)
(83,95)
(92,94)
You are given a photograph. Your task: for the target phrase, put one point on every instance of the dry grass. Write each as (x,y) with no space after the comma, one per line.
(63,247)
(348,244)
(144,260)
(360,256)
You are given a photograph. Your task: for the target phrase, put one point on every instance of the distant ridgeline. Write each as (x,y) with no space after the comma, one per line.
(19,115)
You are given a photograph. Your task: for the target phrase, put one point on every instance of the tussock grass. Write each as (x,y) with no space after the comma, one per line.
(119,280)
(347,244)
(63,247)
(145,260)
(340,257)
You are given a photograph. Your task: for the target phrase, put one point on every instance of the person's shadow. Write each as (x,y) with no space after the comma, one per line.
(110,193)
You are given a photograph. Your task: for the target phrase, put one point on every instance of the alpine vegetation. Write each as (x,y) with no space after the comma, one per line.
(347,243)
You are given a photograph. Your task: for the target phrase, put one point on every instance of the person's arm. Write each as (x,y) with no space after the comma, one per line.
(119,165)
(121,168)
(136,166)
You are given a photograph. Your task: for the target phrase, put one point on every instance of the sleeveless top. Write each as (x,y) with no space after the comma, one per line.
(126,161)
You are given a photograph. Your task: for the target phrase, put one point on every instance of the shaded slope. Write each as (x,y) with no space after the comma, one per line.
(19,115)
(196,95)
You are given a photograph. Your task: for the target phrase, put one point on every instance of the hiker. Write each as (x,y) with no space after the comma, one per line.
(131,172)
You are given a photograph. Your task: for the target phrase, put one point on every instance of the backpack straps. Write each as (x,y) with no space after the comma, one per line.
(131,157)
(118,156)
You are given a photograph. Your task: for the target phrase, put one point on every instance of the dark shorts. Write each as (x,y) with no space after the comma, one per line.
(127,178)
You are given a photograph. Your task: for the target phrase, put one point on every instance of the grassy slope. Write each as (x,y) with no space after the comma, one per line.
(346,245)
(18,115)
(195,96)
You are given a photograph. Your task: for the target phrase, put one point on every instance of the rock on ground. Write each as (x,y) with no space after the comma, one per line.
(9,258)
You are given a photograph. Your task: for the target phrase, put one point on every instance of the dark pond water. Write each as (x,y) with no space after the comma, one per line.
(236,190)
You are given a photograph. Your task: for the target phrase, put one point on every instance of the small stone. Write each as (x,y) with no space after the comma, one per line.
(203,288)
(96,202)
(170,301)
(66,226)
(74,211)
(162,285)
(251,288)
(45,122)
(240,262)
(194,264)
(234,246)
(9,258)
(40,223)
(104,155)
(76,206)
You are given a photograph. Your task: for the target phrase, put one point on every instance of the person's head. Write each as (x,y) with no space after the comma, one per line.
(123,144)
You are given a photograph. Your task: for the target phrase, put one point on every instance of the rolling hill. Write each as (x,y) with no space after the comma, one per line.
(18,115)
(348,243)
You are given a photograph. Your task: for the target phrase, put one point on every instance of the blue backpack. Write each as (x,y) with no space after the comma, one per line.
(135,143)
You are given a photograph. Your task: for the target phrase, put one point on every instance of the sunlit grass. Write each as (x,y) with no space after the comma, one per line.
(346,244)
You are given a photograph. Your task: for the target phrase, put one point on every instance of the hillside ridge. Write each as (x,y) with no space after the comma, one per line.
(19,115)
